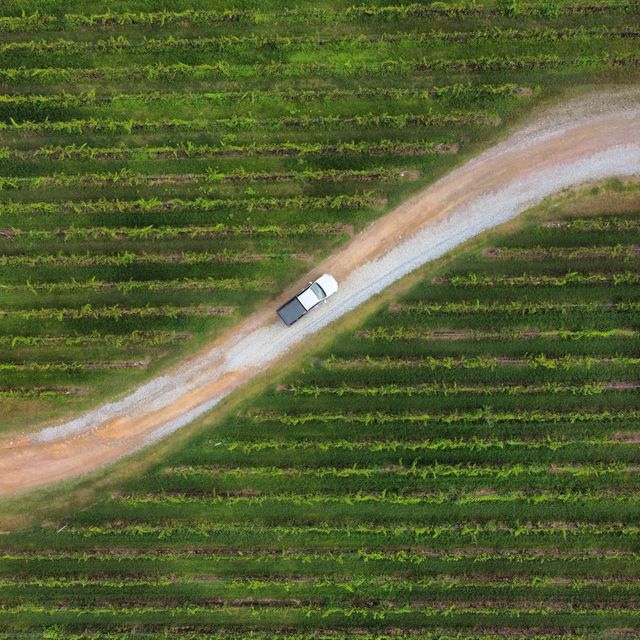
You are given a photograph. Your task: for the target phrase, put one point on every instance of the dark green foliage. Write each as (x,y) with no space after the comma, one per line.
(427,483)
(462,466)
(152,150)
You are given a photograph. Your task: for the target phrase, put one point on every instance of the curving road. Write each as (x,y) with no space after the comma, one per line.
(589,139)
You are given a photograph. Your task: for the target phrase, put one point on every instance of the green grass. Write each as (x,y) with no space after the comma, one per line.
(230,132)
(451,485)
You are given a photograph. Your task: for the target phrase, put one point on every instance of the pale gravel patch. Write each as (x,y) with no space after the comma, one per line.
(550,124)
(255,349)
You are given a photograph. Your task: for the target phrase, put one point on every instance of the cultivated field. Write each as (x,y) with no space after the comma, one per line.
(167,167)
(463,464)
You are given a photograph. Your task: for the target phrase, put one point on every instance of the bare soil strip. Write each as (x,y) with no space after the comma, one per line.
(592,138)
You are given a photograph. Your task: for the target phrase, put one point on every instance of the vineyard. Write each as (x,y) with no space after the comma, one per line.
(463,464)
(167,167)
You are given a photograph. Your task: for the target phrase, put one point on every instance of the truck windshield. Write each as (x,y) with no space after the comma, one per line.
(317,289)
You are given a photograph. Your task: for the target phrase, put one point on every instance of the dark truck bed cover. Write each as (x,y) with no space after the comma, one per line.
(291,311)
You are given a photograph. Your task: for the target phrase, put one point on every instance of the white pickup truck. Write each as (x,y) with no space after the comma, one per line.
(313,295)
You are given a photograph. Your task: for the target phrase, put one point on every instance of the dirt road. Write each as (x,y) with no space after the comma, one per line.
(590,139)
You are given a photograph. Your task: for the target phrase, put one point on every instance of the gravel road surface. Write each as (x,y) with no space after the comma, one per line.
(588,139)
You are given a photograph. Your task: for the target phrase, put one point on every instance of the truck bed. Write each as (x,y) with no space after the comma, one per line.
(291,311)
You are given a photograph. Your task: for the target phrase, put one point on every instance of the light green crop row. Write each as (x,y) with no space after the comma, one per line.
(126,258)
(199,204)
(479,416)
(540,280)
(516,307)
(287,71)
(435,444)
(456,497)
(169,232)
(312,15)
(393,334)
(115,312)
(454,388)
(126,286)
(537,361)
(432,471)
(130,178)
(133,338)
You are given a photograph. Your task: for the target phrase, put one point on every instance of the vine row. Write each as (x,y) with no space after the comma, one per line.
(241,123)
(563,253)
(130,178)
(415,470)
(479,416)
(452,389)
(539,280)
(387,498)
(320,15)
(456,90)
(191,150)
(517,307)
(386,334)
(120,340)
(254,42)
(225,71)
(442,444)
(127,258)
(115,312)
(73,366)
(533,361)
(595,223)
(167,232)
(127,286)
(198,204)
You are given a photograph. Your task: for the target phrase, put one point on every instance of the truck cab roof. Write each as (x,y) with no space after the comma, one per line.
(328,284)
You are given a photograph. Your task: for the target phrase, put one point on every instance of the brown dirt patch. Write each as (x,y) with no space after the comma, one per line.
(629,437)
